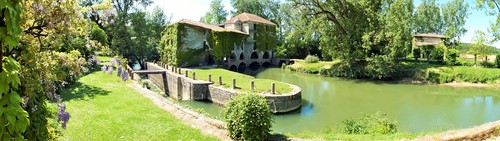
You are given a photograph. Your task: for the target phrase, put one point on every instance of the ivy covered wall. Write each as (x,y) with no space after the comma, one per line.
(170,41)
(223,42)
(265,36)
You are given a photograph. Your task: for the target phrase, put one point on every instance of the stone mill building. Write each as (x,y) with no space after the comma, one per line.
(245,41)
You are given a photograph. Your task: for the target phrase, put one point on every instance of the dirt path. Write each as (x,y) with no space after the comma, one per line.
(207,126)
(487,131)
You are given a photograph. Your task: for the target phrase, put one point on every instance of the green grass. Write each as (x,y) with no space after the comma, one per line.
(102,107)
(332,135)
(103,58)
(464,74)
(242,80)
(302,66)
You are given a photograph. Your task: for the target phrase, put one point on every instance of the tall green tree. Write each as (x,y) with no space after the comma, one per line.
(217,14)
(491,7)
(480,45)
(454,14)
(428,18)
(301,37)
(398,28)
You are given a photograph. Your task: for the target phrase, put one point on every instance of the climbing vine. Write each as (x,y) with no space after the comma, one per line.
(265,37)
(13,118)
(170,43)
(222,43)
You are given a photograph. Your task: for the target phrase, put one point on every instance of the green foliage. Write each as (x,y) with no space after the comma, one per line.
(428,50)
(13,118)
(479,47)
(265,37)
(248,117)
(223,42)
(170,43)
(451,56)
(383,67)
(438,53)
(98,34)
(216,15)
(463,74)
(377,123)
(497,60)
(416,53)
(311,59)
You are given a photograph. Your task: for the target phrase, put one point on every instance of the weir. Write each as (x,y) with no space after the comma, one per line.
(181,87)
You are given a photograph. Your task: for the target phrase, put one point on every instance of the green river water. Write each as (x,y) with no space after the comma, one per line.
(416,108)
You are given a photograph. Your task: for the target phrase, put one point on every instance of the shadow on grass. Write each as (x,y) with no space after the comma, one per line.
(80,91)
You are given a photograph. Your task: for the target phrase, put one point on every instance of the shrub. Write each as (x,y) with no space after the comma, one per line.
(497,60)
(451,56)
(438,54)
(383,68)
(376,123)
(248,117)
(312,59)
(416,53)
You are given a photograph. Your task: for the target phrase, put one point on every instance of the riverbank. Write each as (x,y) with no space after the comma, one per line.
(102,107)
(418,73)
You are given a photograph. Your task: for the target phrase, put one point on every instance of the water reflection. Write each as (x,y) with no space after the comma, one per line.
(416,108)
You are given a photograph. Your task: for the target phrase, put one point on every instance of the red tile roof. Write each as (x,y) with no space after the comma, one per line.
(208,26)
(430,35)
(245,17)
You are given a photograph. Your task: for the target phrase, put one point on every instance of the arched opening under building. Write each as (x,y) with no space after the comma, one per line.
(254,66)
(242,67)
(233,56)
(254,56)
(266,55)
(233,68)
(266,64)
(242,57)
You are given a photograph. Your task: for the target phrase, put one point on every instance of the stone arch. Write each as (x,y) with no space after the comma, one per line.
(266,55)
(233,56)
(266,64)
(254,66)
(233,68)
(242,67)
(242,57)
(254,55)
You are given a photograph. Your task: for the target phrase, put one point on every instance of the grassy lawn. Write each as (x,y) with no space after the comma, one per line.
(103,58)
(242,80)
(102,107)
(329,135)
(302,66)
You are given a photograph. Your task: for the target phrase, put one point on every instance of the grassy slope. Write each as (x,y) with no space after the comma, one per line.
(302,66)
(103,108)
(242,80)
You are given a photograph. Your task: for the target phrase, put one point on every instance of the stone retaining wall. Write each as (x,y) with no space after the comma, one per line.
(181,87)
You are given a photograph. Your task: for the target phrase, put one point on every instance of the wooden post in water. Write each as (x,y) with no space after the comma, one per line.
(187,74)
(194,75)
(251,86)
(273,89)
(209,77)
(220,80)
(234,83)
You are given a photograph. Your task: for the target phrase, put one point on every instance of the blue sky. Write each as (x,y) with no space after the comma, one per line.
(194,9)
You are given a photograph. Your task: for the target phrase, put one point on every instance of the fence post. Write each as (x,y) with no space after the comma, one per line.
(273,88)
(172,68)
(166,66)
(220,80)
(179,70)
(187,74)
(234,83)
(251,86)
(194,75)
(209,77)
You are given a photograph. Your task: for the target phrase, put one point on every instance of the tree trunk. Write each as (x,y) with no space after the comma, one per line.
(475,58)
(1,56)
